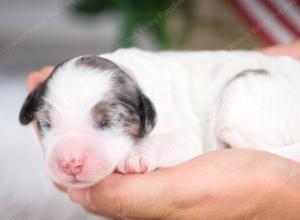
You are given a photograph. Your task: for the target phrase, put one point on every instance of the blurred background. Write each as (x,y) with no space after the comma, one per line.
(35,33)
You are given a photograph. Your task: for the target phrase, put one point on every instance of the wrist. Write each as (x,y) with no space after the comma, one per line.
(280,194)
(268,188)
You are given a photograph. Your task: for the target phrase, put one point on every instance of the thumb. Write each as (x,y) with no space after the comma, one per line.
(130,196)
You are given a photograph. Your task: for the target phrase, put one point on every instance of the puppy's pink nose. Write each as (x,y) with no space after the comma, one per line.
(71,167)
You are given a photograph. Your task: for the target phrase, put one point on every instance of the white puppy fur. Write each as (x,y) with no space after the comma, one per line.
(192,102)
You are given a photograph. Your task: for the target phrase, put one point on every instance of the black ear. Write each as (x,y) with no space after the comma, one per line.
(34,100)
(32,104)
(147,114)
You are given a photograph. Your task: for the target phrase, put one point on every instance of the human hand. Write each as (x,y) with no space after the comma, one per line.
(226,184)
(291,49)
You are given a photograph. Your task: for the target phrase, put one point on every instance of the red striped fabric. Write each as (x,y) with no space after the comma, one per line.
(275,21)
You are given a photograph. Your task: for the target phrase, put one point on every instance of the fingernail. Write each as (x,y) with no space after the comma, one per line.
(81,196)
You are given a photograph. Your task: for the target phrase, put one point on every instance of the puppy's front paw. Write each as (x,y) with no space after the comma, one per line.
(134,164)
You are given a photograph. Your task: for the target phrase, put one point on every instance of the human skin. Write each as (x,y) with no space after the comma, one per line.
(292,49)
(224,184)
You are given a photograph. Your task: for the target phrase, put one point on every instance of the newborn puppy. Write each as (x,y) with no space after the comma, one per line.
(134,111)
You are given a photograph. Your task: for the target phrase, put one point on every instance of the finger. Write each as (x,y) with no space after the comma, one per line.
(35,78)
(110,216)
(60,187)
(37,131)
(47,69)
(279,50)
(128,196)
(82,196)
(96,212)
(292,49)
(132,195)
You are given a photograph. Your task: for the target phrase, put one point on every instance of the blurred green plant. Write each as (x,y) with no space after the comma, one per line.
(138,15)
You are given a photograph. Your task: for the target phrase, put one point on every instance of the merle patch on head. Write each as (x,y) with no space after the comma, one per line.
(125,105)
(97,63)
(247,72)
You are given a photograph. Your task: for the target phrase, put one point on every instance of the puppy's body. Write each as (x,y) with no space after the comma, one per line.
(156,110)
(209,92)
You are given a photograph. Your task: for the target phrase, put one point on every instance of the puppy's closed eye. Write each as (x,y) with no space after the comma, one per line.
(100,117)
(113,115)
(43,120)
